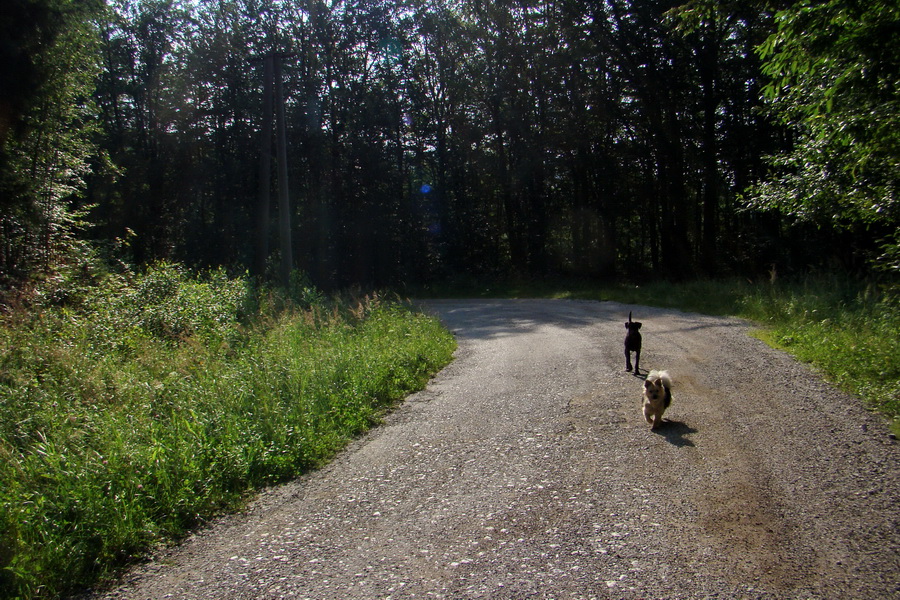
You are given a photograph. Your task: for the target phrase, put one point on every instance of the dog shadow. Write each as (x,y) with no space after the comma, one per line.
(675,433)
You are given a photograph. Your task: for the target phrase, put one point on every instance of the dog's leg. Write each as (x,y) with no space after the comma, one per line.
(637,361)
(647,416)
(627,360)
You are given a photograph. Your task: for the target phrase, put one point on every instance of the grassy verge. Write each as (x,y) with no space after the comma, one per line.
(136,409)
(847,330)
(849,333)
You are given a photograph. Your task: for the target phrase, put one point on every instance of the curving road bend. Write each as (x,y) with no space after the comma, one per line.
(525,470)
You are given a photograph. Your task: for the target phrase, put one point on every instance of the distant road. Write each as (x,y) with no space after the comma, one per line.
(525,470)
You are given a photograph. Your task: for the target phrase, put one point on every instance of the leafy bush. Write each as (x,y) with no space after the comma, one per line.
(152,401)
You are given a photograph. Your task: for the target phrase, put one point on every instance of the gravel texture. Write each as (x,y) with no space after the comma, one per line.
(526,470)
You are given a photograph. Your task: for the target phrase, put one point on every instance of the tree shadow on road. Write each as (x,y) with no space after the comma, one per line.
(675,433)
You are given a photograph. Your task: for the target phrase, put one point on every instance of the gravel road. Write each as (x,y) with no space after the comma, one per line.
(526,470)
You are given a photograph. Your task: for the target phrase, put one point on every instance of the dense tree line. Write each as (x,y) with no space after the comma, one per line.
(432,138)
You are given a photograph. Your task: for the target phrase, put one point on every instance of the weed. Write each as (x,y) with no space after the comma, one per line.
(159,399)
(850,332)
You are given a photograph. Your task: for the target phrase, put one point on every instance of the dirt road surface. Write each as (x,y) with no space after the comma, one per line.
(526,470)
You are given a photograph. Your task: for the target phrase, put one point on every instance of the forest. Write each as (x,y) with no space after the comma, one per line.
(392,142)
(209,210)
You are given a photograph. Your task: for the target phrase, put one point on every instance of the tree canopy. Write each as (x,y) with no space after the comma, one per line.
(435,139)
(834,70)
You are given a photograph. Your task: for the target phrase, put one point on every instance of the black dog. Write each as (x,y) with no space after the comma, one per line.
(632,344)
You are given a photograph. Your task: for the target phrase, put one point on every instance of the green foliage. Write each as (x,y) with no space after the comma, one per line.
(629,162)
(141,405)
(47,157)
(851,333)
(533,167)
(834,70)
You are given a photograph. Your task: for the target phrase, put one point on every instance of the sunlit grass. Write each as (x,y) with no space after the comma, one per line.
(849,332)
(123,424)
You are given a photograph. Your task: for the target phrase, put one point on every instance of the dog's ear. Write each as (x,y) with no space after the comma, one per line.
(637,324)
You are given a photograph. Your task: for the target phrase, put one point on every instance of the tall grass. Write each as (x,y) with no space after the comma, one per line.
(140,407)
(850,332)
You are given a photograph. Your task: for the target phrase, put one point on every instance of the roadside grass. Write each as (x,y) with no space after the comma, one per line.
(708,297)
(139,407)
(846,329)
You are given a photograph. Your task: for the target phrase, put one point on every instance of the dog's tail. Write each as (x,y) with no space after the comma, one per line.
(629,316)
(666,380)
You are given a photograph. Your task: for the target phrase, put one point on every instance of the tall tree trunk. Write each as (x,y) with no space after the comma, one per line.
(708,68)
(284,205)
(263,201)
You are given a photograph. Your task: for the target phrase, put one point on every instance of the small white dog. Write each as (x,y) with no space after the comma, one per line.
(657,397)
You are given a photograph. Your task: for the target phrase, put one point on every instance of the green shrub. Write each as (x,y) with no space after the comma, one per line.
(158,399)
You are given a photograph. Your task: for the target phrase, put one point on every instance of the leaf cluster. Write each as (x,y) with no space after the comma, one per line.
(834,70)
